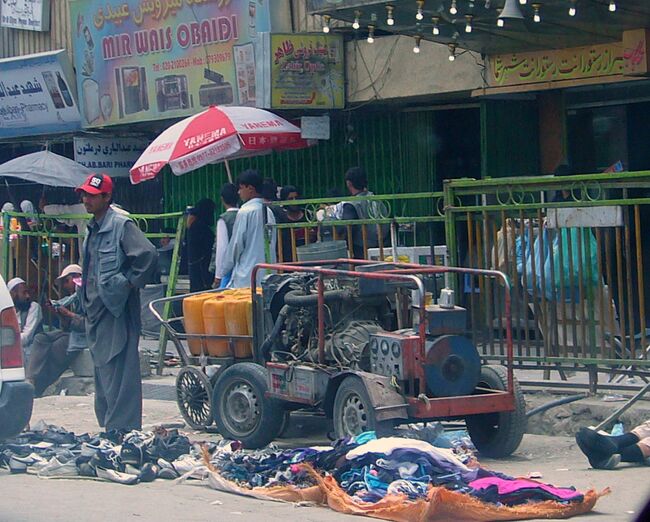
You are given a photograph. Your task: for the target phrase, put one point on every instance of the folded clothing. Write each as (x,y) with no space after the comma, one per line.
(519,490)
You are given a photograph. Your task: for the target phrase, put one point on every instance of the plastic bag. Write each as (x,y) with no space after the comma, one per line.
(563,250)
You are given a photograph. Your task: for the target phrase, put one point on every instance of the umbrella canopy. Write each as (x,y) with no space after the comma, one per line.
(46,168)
(214,135)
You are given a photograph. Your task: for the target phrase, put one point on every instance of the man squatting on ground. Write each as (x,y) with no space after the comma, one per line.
(118,260)
(53,351)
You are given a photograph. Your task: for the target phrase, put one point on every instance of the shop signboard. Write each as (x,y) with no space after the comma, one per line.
(301,71)
(111,156)
(37,95)
(31,15)
(141,60)
(628,57)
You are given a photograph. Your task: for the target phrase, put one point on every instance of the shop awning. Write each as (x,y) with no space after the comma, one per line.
(593,22)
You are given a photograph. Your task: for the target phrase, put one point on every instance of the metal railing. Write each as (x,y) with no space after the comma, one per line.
(404,220)
(574,249)
(36,247)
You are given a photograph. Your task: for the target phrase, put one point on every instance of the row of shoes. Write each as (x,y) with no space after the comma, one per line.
(125,458)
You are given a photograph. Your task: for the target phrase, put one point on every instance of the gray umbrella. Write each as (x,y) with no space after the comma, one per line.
(46,168)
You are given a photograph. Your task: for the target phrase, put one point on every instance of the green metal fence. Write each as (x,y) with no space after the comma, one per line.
(36,247)
(408,218)
(575,249)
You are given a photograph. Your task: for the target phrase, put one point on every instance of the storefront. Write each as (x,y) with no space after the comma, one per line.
(590,102)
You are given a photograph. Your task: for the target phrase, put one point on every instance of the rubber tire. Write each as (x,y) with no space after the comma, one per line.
(349,386)
(498,434)
(272,414)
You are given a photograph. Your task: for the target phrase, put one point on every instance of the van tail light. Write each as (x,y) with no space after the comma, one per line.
(11,353)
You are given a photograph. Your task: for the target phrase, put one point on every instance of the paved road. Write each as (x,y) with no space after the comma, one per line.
(27,498)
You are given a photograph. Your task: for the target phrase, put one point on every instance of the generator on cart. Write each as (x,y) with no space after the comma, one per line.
(359,341)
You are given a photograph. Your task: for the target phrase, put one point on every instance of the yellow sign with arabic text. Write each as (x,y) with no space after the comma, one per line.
(618,58)
(307,71)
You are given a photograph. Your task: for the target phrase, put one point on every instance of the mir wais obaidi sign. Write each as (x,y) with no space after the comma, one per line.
(140,60)
(30,15)
(628,57)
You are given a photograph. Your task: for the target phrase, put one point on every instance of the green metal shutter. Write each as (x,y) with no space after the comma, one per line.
(509,138)
(394,147)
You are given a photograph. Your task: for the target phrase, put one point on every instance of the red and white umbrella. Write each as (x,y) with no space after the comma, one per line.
(214,135)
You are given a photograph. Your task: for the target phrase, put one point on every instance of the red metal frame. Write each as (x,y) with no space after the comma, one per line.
(420,406)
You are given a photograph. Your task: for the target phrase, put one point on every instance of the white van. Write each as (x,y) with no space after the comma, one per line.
(16,395)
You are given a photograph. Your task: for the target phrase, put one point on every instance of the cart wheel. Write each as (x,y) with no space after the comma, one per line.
(353,411)
(241,410)
(498,434)
(194,397)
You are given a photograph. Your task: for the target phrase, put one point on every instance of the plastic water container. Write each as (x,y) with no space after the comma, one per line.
(237,312)
(323,251)
(193,319)
(214,319)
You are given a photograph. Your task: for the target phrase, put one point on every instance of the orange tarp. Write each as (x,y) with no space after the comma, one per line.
(440,505)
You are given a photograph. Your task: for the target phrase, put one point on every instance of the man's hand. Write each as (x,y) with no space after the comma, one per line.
(64,312)
(216,283)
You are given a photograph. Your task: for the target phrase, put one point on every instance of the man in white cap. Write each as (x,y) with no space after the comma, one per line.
(53,351)
(30,314)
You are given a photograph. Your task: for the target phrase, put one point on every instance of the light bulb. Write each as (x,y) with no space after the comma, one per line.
(436,29)
(612,6)
(500,22)
(536,16)
(572,9)
(452,52)
(419,15)
(453,9)
(389,15)
(326,24)
(523,2)
(371,34)
(468,24)
(356,24)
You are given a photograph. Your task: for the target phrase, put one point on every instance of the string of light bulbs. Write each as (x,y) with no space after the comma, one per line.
(507,13)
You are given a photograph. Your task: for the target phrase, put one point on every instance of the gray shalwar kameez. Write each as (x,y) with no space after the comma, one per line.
(113,336)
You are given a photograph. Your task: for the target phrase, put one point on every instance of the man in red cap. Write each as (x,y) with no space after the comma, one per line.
(118,260)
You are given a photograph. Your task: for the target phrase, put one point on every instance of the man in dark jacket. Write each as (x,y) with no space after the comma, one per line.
(118,260)
(200,240)
(357,184)
(225,224)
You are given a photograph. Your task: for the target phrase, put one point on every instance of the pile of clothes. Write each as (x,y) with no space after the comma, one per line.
(362,472)
(368,469)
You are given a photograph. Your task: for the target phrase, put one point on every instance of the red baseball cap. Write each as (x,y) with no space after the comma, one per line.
(97,184)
